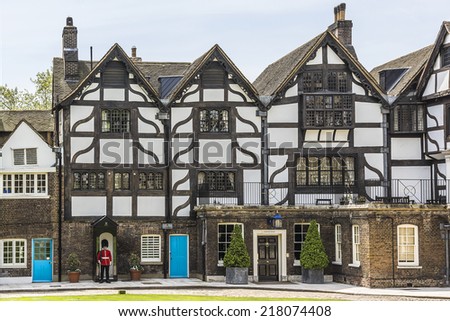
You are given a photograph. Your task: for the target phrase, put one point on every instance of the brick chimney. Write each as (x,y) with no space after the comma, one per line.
(133,57)
(342,28)
(70,51)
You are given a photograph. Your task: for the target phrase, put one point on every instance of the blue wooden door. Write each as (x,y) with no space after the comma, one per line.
(179,262)
(42,260)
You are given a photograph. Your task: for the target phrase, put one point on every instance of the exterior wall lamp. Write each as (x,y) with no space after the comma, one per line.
(275,221)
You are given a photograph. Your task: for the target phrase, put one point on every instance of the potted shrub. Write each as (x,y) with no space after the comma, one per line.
(73,268)
(313,257)
(135,267)
(236,259)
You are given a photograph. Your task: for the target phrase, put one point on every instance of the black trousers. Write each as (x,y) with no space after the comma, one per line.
(104,269)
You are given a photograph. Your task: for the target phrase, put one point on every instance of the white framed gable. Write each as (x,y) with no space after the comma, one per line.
(26,138)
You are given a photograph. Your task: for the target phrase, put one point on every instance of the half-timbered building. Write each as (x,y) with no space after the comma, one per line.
(164,159)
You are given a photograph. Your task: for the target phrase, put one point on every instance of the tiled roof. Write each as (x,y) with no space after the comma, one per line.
(41,120)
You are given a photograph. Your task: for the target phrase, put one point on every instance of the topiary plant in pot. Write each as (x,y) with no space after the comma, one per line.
(236,259)
(313,257)
(73,268)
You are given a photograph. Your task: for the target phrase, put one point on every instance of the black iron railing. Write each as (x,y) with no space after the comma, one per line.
(397,191)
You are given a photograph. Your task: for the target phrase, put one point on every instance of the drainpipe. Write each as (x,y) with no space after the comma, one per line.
(57,151)
(385,150)
(265,100)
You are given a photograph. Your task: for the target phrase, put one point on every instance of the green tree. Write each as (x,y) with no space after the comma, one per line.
(236,255)
(15,99)
(313,255)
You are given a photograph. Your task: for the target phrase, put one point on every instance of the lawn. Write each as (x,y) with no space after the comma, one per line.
(148,297)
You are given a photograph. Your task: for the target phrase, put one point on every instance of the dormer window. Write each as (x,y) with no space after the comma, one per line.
(390,77)
(25,156)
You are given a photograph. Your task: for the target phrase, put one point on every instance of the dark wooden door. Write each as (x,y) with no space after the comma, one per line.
(268,258)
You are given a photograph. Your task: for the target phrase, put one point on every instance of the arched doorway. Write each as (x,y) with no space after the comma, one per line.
(105,229)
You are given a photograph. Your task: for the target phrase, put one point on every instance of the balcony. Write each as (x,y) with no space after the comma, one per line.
(397,191)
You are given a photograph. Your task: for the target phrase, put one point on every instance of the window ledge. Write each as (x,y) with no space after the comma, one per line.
(414,267)
(355,265)
(24,196)
(151,263)
(336,263)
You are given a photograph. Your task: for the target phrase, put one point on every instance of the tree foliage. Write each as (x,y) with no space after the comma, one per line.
(41,98)
(236,255)
(313,255)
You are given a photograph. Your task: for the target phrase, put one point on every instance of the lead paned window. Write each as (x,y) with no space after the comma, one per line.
(408,118)
(150,181)
(408,245)
(216,181)
(328,111)
(88,180)
(214,121)
(445,56)
(115,121)
(121,181)
(325,171)
(225,230)
(151,248)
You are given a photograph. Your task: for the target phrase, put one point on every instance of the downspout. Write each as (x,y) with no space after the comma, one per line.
(57,150)
(385,150)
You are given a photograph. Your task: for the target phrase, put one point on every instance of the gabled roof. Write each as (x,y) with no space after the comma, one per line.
(197,66)
(414,62)
(277,75)
(3,140)
(41,120)
(115,52)
(428,69)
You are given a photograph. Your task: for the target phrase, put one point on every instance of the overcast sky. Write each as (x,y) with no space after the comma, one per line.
(254,33)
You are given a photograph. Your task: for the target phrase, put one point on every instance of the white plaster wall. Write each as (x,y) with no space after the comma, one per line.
(275,163)
(114,94)
(333,58)
(116,151)
(213,94)
(248,113)
(178,175)
(193,97)
(276,195)
(235,97)
(283,114)
(376,161)
(438,136)
(312,135)
(88,205)
(357,89)
(292,92)
(437,62)
(367,112)
(134,97)
(442,80)
(61,126)
(151,206)
(283,137)
(121,205)
(177,201)
(79,143)
(406,148)
(155,145)
(368,137)
(341,135)
(45,155)
(252,175)
(182,144)
(447,39)
(150,114)
(215,151)
(410,172)
(318,59)
(81,112)
(438,112)
(95,95)
(249,144)
(326,135)
(180,114)
(431,85)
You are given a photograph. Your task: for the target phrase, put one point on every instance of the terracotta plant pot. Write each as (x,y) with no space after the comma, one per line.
(135,275)
(74,277)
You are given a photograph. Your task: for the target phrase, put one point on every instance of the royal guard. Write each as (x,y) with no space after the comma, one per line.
(104,258)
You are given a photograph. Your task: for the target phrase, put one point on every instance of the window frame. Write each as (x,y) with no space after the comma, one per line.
(26,160)
(15,256)
(415,118)
(227,239)
(302,234)
(155,179)
(24,184)
(337,244)
(212,188)
(122,180)
(106,118)
(445,54)
(328,110)
(158,250)
(207,121)
(356,246)
(401,245)
(88,185)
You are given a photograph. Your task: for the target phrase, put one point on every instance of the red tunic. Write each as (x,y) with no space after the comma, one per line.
(104,257)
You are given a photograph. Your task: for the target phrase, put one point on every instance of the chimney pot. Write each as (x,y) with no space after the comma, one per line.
(69,21)
(342,11)
(133,51)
